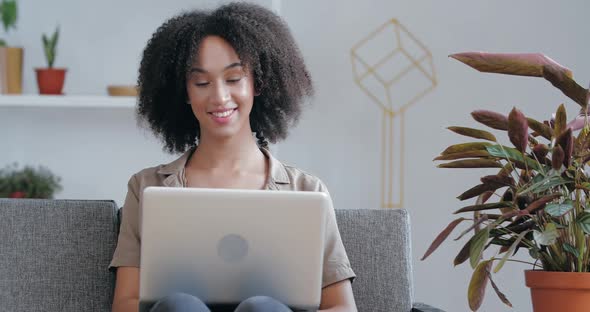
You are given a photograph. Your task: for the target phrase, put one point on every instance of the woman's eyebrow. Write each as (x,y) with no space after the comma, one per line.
(200,70)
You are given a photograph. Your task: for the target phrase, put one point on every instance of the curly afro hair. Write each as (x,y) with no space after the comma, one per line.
(263,43)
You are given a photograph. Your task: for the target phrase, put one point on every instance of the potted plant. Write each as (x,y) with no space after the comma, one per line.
(11,58)
(50,80)
(28,182)
(538,199)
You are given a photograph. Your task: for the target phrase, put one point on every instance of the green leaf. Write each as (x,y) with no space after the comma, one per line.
(546,183)
(466,147)
(475,225)
(484,207)
(559,209)
(474,133)
(560,120)
(583,186)
(584,222)
(471,163)
(8,10)
(513,154)
(571,249)
(461,155)
(548,236)
(534,253)
(477,285)
(541,128)
(479,241)
(55,37)
(442,236)
(510,251)
(49,46)
(2,43)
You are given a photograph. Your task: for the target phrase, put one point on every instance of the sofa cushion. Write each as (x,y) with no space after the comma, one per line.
(55,255)
(377,242)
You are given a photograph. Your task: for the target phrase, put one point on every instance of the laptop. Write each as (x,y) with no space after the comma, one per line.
(226,245)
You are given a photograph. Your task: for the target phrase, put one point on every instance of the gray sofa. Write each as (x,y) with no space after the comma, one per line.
(54,256)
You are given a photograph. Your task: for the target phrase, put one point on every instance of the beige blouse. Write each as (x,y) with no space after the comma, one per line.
(281,177)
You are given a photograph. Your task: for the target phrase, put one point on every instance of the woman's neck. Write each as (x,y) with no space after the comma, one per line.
(233,154)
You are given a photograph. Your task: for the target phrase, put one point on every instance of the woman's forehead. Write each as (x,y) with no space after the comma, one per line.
(215,54)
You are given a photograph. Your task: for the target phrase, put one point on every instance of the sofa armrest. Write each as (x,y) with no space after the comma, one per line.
(421,307)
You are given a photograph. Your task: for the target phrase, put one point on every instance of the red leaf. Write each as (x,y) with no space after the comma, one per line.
(498,181)
(540,203)
(463,254)
(527,64)
(557,158)
(518,130)
(478,283)
(498,292)
(566,141)
(491,119)
(540,151)
(476,191)
(521,64)
(441,237)
(485,196)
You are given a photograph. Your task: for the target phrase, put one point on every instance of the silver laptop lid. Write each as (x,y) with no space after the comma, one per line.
(225,246)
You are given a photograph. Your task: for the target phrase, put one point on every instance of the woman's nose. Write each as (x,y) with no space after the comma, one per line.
(220,94)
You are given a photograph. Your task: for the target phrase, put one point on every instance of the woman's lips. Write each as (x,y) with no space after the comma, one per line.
(222,116)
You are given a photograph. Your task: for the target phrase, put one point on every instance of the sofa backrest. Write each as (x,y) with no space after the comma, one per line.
(377,242)
(54,255)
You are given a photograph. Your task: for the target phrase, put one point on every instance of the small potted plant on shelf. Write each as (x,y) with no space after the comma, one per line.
(537,200)
(28,182)
(11,58)
(50,80)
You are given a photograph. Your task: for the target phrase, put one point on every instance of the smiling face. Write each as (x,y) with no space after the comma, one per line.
(220,90)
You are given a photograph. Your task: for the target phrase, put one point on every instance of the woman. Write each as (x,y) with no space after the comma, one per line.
(208,81)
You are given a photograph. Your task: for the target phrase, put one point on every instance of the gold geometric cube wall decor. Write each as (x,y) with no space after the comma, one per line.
(395,70)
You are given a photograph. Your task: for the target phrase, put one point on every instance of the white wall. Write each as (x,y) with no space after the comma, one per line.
(95,151)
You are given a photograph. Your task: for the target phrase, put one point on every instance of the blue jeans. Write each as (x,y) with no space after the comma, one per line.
(181,302)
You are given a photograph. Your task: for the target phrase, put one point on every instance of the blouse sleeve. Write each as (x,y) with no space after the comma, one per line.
(336,264)
(127,252)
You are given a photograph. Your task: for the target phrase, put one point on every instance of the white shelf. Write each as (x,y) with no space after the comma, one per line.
(68,101)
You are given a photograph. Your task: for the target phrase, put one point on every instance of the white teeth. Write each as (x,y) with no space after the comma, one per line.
(223,114)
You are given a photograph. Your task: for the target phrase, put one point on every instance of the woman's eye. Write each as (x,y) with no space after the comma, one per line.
(234,80)
(201,84)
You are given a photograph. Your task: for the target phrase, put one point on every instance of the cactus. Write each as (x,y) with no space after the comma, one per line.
(49,46)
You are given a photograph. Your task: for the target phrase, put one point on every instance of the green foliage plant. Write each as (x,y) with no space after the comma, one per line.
(28,182)
(8,14)
(537,197)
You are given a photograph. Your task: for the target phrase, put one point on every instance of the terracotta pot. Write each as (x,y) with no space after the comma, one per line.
(559,291)
(11,70)
(50,80)
(17,194)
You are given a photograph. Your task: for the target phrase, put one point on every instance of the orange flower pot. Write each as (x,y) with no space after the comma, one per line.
(50,80)
(559,291)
